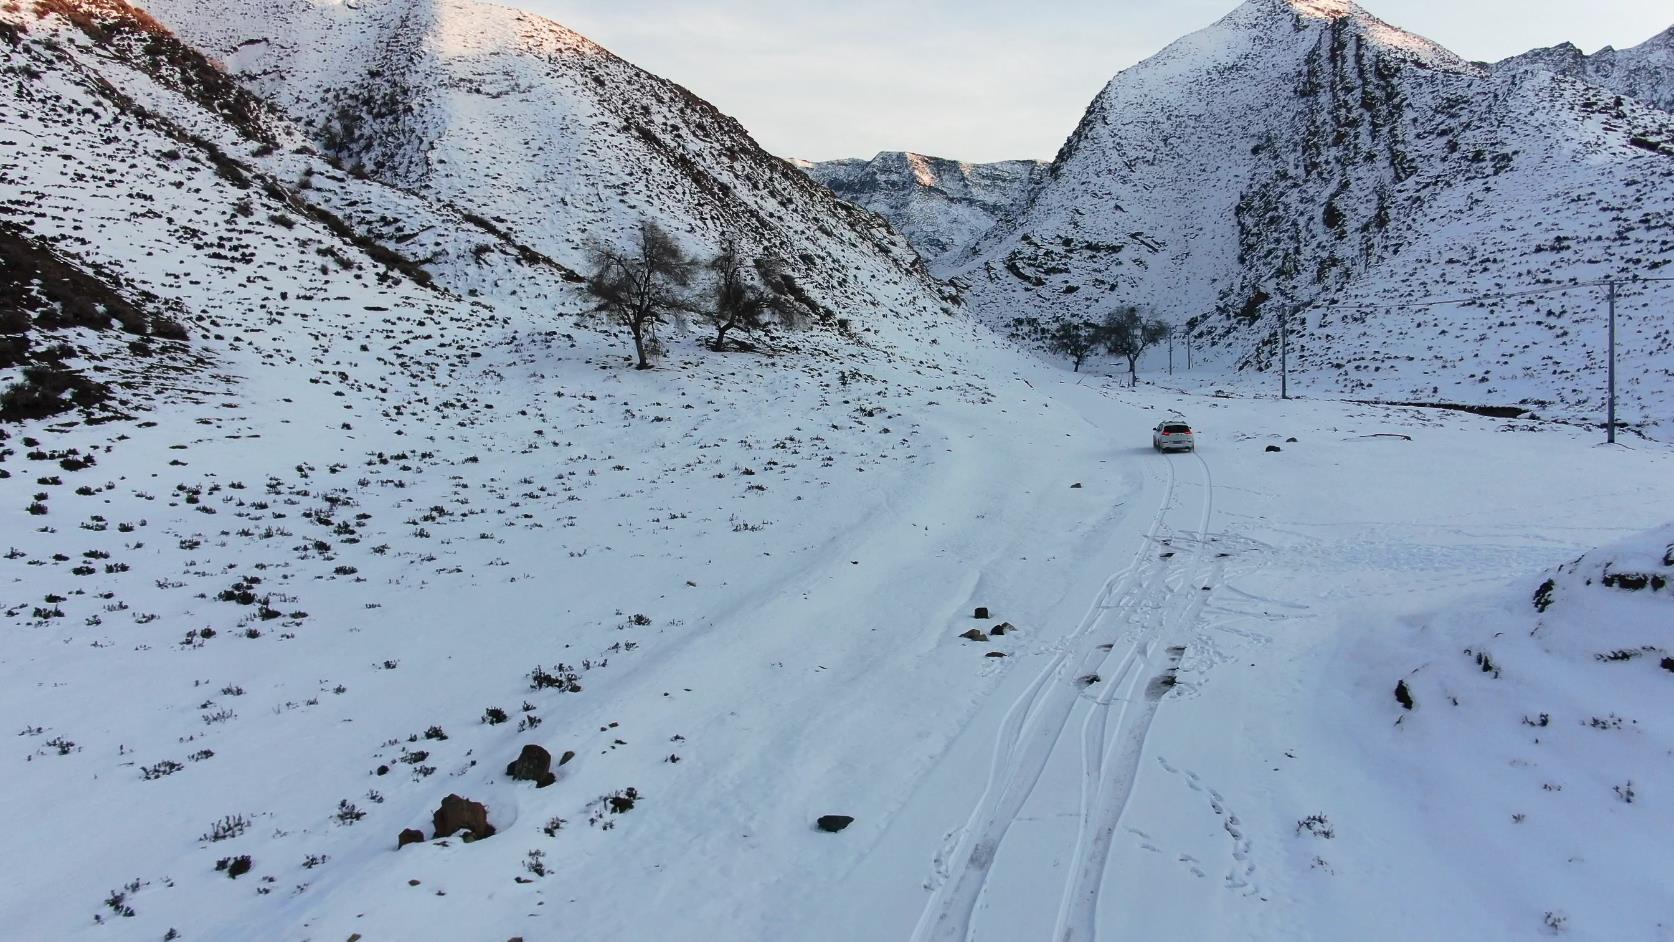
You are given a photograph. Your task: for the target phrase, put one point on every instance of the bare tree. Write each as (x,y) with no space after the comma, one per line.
(1127,333)
(641,286)
(747,293)
(1074,339)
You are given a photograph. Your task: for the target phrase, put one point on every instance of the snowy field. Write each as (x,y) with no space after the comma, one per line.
(762,614)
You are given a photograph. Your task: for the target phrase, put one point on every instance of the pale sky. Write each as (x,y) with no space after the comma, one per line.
(987,80)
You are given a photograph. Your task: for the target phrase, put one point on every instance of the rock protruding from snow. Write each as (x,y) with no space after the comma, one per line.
(533,764)
(462,814)
(832,823)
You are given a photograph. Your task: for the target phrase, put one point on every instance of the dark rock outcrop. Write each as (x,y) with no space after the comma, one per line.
(461,814)
(533,764)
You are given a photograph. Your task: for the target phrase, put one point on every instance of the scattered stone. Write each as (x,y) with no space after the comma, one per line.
(975,634)
(833,823)
(1075,486)
(533,764)
(1290,441)
(1087,680)
(461,814)
(1403,696)
(982,612)
(409,836)
(1274,448)
(1002,628)
(995,654)
(566,757)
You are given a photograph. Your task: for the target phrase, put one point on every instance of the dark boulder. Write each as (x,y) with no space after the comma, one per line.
(982,611)
(1403,696)
(1002,628)
(409,836)
(975,634)
(833,823)
(461,814)
(1274,448)
(533,764)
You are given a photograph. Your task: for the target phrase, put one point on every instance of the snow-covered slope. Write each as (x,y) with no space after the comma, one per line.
(1536,718)
(942,206)
(516,119)
(1303,152)
(1645,71)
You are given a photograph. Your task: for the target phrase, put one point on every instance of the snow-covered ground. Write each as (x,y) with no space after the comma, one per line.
(382,519)
(775,597)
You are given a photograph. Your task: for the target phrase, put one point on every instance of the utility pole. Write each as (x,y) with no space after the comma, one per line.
(1284,352)
(1610,410)
(1188,351)
(1171,352)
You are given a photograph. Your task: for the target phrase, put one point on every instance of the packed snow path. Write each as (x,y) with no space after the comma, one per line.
(1108,664)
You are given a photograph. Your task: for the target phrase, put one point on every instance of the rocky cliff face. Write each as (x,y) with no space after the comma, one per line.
(941,206)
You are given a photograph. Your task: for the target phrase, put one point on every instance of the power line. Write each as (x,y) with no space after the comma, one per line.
(1612,285)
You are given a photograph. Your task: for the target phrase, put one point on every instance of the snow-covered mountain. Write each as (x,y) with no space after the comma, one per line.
(1304,154)
(1645,71)
(516,119)
(942,206)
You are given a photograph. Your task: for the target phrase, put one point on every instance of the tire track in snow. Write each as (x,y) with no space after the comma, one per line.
(1111,760)
(1035,723)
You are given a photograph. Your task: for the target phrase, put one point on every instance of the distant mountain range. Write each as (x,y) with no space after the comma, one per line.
(941,206)
(1645,71)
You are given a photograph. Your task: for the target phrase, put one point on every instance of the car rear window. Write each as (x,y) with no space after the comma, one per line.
(1176,429)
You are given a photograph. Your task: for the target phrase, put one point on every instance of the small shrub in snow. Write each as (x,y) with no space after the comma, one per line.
(535,863)
(494,716)
(347,813)
(161,769)
(227,828)
(1317,825)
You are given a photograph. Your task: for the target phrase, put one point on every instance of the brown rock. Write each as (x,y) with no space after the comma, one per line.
(975,634)
(533,764)
(982,611)
(1002,628)
(409,836)
(461,814)
(566,757)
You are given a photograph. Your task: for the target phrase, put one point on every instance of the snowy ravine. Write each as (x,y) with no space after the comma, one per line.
(359,503)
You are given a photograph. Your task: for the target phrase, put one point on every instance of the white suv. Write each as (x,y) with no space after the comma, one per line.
(1173,435)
